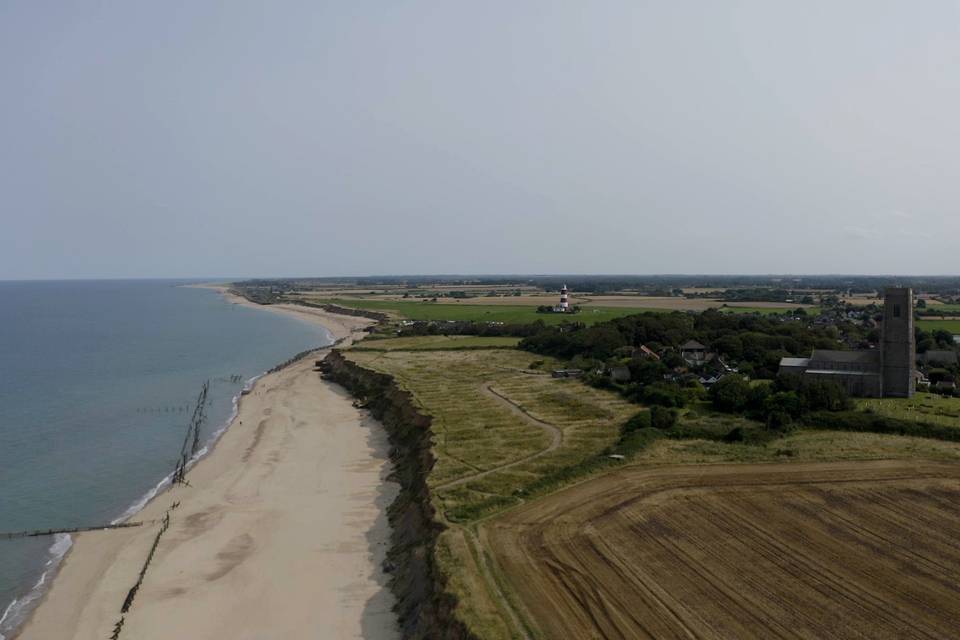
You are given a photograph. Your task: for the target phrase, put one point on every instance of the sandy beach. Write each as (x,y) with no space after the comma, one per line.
(280,534)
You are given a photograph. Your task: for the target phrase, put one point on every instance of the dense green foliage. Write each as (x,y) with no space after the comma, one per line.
(788,398)
(936,338)
(753,343)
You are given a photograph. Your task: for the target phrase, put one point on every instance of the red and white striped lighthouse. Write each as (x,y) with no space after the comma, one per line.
(564,300)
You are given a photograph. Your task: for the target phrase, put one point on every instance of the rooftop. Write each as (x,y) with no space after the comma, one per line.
(847,357)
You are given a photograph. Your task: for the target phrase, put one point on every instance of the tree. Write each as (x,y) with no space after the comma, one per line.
(663,417)
(664,394)
(730,393)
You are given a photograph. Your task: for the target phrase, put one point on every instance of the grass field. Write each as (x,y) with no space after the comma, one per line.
(923,407)
(953,326)
(502,434)
(478,400)
(437,343)
(944,308)
(484,313)
(839,550)
(769,310)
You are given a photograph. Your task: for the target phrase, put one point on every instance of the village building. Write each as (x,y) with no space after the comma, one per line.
(646,352)
(695,354)
(885,372)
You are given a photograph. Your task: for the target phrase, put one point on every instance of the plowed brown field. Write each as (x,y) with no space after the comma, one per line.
(835,550)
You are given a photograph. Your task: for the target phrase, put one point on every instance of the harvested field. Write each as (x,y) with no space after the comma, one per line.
(828,550)
(682,304)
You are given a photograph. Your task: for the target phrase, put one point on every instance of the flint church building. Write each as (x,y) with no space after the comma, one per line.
(886,372)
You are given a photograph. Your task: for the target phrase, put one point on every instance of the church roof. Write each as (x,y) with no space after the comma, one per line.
(692,345)
(845,357)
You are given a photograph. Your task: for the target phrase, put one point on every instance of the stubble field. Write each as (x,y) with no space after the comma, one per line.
(838,550)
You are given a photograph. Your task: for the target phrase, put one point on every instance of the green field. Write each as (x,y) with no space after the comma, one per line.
(953,326)
(923,407)
(437,343)
(483,313)
(945,309)
(767,311)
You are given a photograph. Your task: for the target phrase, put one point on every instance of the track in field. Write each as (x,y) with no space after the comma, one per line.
(835,550)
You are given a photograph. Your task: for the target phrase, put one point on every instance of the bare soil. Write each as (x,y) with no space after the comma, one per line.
(828,550)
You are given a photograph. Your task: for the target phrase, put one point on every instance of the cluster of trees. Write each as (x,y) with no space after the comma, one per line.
(759,294)
(779,403)
(753,343)
(936,339)
(470,328)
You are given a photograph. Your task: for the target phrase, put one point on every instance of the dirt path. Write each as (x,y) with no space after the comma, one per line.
(555,433)
(840,550)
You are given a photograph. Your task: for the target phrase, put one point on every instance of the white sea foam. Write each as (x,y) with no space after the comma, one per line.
(142,502)
(17,611)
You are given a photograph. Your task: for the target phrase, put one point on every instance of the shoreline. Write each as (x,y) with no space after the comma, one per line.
(201,557)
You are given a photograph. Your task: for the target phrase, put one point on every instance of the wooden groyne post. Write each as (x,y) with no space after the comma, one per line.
(52,532)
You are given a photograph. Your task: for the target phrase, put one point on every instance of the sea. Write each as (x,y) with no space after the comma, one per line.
(98,381)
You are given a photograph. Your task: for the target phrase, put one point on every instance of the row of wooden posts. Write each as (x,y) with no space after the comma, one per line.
(128,601)
(191,441)
(189,448)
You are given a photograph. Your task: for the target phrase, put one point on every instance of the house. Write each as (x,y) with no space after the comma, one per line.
(620,374)
(646,352)
(694,353)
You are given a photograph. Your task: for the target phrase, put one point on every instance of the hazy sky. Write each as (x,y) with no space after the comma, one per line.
(151,139)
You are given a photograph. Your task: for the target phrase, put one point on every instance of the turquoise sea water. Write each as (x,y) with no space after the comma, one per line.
(97,380)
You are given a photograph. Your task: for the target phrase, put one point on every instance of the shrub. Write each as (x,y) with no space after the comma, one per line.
(779,421)
(735,435)
(640,420)
(663,417)
(664,394)
(731,393)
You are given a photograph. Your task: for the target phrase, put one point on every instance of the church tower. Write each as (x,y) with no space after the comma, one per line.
(898,350)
